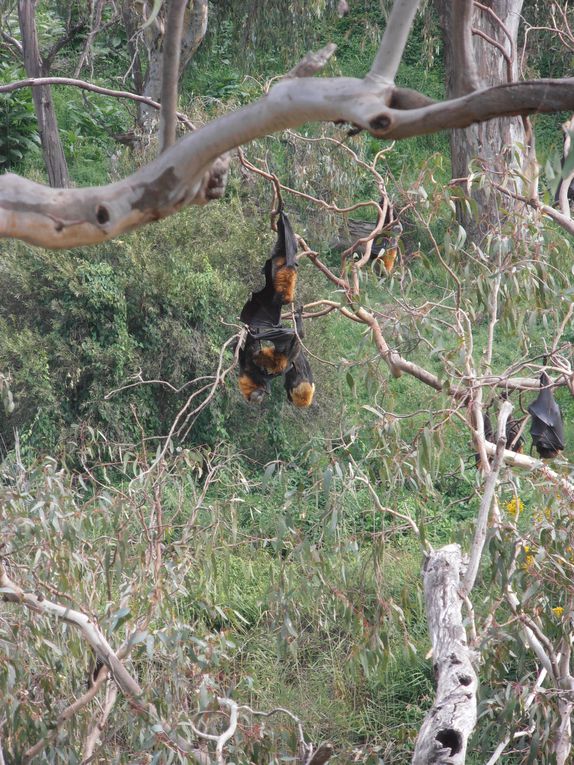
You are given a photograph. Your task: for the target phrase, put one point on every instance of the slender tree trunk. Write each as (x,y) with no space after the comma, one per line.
(170,73)
(491,146)
(193,32)
(54,158)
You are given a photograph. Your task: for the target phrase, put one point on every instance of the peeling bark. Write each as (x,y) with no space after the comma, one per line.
(444,734)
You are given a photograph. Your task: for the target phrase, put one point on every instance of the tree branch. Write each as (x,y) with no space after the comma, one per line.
(466,79)
(190,172)
(39,81)
(487,497)
(11,592)
(395,37)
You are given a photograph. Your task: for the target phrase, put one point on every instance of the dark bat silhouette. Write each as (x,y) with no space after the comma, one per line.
(263,309)
(547,429)
(266,354)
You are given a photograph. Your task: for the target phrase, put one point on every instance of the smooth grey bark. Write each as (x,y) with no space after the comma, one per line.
(492,145)
(54,158)
(194,29)
(170,73)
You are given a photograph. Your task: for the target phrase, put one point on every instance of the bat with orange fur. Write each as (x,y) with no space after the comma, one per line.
(263,309)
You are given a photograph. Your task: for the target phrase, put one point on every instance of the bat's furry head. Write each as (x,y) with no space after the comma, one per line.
(271,360)
(251,390)
(302,395)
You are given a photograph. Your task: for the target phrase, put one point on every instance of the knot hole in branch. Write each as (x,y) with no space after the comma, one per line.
(102,214)
(381,122)
(450,739)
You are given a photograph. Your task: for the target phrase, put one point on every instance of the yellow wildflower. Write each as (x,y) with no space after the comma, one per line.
(514,506)
(558,611)
(528,560)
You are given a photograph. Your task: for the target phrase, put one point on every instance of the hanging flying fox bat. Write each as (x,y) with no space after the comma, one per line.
(299,377)
(266,354)
(263,309)
(547,429)
(299,382)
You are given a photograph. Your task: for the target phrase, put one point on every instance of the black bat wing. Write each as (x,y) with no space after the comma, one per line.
(547,428)
(285,248)
(261,309)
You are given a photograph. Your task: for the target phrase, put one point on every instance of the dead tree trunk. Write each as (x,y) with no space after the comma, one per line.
(444,734)
(53,152)
(491,145)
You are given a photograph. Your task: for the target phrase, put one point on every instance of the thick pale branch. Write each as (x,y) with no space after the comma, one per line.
(186,173)
(464,64)
(531,463)
(446,728)
(390,53)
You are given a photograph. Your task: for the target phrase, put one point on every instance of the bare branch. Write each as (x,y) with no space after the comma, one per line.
(395,37)
(170,72)
(487,497)
(13,42)
(38,81)
(313,62)
(48,58)
(74,217)
(531,463)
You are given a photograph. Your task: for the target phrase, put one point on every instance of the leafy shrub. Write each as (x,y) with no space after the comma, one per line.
(18,129)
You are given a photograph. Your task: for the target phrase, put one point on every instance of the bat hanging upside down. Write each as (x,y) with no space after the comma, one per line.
(547,429)
(268,353)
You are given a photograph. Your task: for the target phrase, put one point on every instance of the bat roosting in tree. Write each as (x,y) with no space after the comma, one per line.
(271,349)
(547,429)
(280,269)
(268,353)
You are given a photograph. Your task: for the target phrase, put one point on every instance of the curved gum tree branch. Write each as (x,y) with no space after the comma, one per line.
(194,170)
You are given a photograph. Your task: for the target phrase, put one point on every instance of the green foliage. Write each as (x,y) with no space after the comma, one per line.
(18,131)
